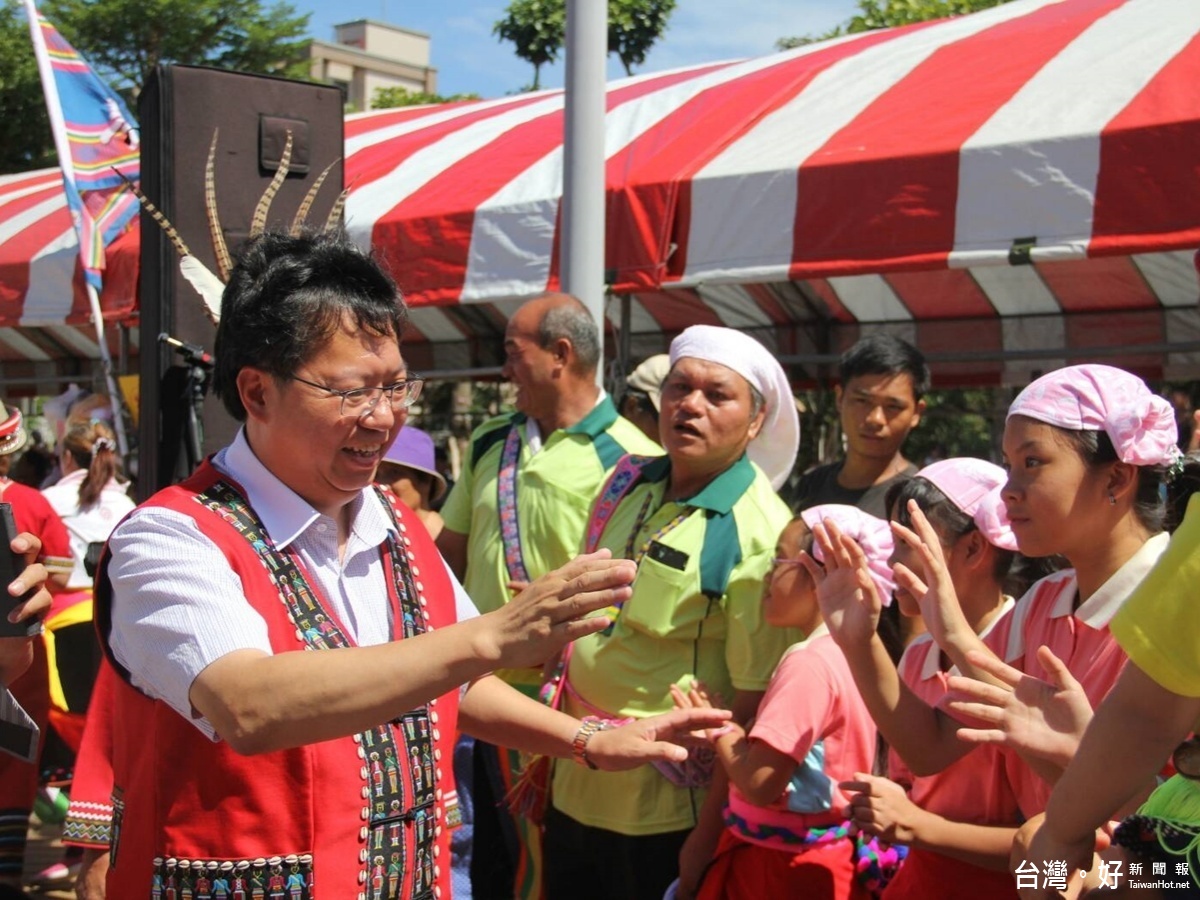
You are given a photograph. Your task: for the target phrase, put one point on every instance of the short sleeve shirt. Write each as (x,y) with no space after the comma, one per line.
(34,514)
(555,488)
(821,486)
(1159,626)
(671,632)
(813,713)
(972,789)
(1080,637)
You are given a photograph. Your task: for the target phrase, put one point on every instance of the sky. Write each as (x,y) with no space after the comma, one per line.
(470,59)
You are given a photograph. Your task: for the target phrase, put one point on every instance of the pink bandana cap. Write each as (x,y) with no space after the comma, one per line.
(874,535)
(974,485)
(1140,424)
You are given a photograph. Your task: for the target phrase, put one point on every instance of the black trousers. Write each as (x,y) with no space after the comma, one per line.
(585,863)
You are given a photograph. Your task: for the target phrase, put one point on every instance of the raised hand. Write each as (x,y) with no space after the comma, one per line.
(850,604)
(931,588)
(1041,720)
(881,808)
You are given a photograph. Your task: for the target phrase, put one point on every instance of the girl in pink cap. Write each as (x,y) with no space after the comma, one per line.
(959,824)
(786,833)
(1088,449)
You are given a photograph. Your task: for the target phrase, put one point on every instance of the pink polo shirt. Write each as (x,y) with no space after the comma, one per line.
(812,712)
(973,789)
(1079,637)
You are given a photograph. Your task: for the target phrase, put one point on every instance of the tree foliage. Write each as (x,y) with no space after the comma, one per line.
(125,39)
(28,144)
(391,97)
(537,30)
(875,14)
(634,26)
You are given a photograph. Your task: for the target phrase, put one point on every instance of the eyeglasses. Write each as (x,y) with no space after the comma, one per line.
(360,402)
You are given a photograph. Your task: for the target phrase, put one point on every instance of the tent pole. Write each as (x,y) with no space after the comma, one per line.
(583,158)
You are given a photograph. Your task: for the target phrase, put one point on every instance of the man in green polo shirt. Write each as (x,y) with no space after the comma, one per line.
(518,511)
(702,524)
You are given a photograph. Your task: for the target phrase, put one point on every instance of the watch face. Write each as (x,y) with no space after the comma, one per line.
(1187,758)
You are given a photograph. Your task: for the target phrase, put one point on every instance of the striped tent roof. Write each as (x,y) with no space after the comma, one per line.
(1009,189)
(1003,185)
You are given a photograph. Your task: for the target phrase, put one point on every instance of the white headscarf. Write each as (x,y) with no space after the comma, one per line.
(774,449)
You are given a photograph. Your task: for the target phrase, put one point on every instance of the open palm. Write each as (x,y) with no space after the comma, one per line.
(846,593)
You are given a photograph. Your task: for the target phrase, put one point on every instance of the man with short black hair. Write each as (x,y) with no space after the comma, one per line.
(243,758)
(879,401)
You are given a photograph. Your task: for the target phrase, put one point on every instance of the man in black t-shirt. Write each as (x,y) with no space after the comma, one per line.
(882,379)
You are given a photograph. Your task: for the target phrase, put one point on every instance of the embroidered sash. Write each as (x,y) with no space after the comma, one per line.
(398,761)
(623,480)
(506,498)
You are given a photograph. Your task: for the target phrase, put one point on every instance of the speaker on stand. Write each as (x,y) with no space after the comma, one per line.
(180,109)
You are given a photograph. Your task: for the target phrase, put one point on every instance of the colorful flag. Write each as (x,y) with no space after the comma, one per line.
(94,134)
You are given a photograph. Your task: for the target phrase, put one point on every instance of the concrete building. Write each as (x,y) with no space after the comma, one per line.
(367,55)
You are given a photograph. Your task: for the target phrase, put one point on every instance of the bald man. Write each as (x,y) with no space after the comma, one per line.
(519,510)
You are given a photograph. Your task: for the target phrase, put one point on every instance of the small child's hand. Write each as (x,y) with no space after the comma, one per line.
(697,697)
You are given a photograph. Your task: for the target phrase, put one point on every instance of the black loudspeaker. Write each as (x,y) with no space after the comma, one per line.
(179,109)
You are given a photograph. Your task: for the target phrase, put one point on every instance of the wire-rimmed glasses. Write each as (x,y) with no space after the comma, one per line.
(359,402)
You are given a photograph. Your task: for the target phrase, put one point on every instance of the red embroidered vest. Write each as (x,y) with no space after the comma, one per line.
(363,816)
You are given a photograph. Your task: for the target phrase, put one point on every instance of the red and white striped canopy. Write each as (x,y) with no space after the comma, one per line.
(45,322)
(888,177)
(1009,189)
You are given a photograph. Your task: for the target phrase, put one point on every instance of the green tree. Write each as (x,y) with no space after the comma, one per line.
(125,39)
(634,26)
(537,30)
(875,14)
(391,97)
(28,144)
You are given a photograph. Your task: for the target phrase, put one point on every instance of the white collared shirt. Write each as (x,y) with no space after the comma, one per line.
(178,606)
(1095,612)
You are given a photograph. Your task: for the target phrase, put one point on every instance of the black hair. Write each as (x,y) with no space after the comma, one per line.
(641,400)
(573,322)
(1014,571)
(1161,496)
(287,295)
(885,354)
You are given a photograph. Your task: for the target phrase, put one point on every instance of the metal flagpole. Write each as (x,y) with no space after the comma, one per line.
(62,145)
(583,158)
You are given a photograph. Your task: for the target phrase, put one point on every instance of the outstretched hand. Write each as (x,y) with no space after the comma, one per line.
(1041,720)
(659,738)
(554,610)
(850,603)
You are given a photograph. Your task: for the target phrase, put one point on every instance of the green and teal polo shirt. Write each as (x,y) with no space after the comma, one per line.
(555,490)
(696,616)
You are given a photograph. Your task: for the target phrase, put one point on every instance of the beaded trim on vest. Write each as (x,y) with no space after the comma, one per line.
(398,771)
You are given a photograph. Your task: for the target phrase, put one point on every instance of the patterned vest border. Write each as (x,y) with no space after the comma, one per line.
(395,770)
